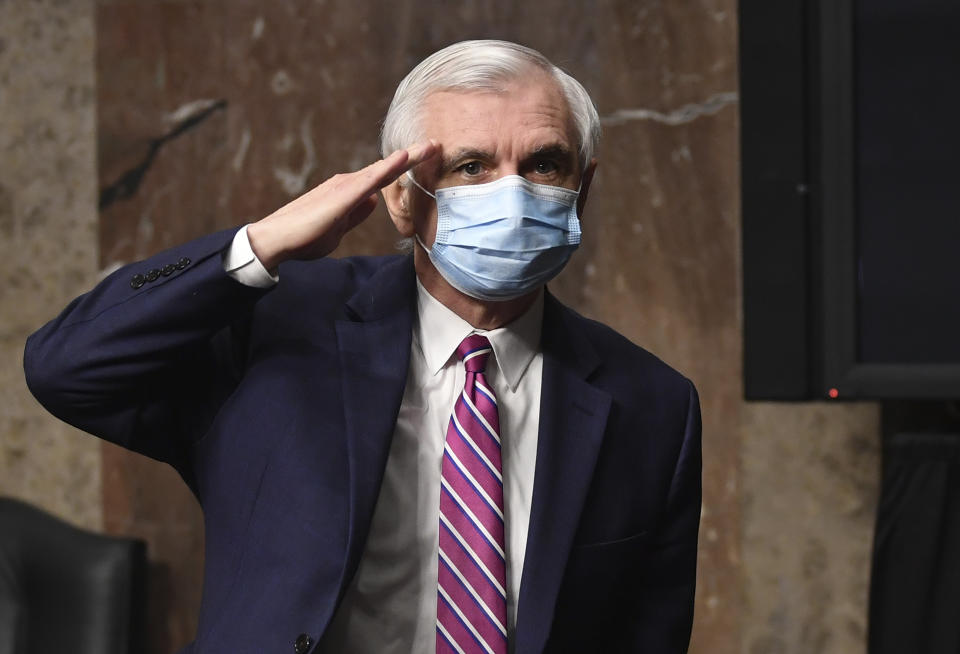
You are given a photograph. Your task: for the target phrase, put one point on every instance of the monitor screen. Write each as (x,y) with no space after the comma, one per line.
(907,159)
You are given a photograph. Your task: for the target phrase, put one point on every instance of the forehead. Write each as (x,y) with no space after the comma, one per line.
(527,114)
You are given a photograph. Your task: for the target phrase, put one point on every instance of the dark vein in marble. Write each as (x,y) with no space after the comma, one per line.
(129,181)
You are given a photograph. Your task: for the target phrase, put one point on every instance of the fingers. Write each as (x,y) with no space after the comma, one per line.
(383,172)
(421,152)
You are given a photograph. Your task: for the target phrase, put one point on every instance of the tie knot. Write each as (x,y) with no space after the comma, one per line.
(474,350)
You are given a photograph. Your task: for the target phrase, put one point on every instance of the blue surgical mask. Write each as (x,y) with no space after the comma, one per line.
(502,240)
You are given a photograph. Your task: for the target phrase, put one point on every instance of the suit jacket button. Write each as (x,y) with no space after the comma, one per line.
(152,274)
(183,263)
(303,643)
(167,269)
(137,281)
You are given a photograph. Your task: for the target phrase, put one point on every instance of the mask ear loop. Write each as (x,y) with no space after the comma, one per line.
(417,184)
(422,244)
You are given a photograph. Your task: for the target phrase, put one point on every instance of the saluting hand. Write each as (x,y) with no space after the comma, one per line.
(312,225)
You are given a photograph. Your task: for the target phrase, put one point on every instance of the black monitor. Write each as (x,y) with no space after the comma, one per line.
(851,217)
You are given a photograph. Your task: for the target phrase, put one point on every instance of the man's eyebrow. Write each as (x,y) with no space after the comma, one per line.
(554,151)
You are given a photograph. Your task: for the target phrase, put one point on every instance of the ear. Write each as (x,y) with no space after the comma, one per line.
(585,186)
(396,197)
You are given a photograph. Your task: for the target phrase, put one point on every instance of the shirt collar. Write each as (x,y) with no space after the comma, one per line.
(439,331)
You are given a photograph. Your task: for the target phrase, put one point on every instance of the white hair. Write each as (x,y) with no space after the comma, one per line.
(483,65)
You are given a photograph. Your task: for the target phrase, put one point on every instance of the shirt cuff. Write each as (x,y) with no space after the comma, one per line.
(242,264)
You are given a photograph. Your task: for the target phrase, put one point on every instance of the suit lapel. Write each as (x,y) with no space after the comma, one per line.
(374,345)
(573,416)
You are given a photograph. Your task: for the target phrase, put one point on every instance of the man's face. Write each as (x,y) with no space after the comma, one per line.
(526,131)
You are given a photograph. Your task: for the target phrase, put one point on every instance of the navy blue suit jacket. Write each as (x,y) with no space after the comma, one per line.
(277,407)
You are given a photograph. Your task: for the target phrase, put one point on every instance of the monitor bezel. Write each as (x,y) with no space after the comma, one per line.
(843,374)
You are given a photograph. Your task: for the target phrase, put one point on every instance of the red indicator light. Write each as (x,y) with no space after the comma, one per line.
(833,393)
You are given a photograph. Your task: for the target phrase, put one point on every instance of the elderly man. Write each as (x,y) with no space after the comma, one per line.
(408,453)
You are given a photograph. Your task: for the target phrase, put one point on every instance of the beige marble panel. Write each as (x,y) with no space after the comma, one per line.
(48,238)
(810,485)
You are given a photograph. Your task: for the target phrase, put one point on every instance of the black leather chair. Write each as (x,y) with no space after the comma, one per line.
(63,589)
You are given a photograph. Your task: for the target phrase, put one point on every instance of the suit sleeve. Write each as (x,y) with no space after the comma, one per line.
(663,609)
(145,358)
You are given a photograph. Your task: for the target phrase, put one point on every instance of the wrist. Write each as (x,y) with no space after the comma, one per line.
(265,245)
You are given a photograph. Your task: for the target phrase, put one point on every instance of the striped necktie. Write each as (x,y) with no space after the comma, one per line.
(472,578)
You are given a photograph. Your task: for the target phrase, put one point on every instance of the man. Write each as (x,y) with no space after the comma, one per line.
(409,453)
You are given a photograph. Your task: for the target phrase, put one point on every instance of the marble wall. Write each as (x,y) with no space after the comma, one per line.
(48,238)
(808,495)
(211,113)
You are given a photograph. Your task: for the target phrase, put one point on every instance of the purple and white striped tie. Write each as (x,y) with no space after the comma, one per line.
(471,589)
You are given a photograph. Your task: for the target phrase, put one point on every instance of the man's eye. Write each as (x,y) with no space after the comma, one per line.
(545,167)
(472,168)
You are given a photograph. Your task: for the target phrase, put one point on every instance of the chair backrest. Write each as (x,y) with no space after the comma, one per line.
(63,589)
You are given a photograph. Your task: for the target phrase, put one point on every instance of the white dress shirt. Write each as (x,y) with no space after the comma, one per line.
(391,605)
